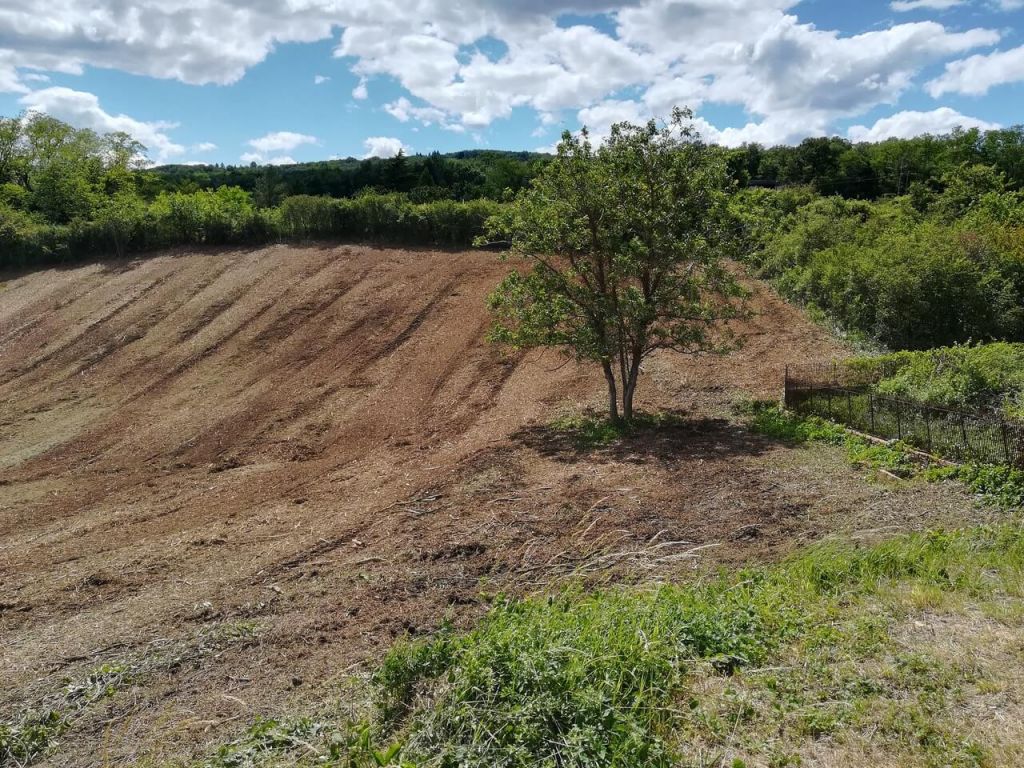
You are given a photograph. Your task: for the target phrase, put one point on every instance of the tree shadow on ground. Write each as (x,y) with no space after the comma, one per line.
(667,437)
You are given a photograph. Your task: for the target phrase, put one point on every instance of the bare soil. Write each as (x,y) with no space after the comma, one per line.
(319,442)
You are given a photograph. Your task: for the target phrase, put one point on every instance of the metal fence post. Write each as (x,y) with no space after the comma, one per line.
(928,427)
(849,408)
(871,406)
(963,434)
(899,425)
(1006,441)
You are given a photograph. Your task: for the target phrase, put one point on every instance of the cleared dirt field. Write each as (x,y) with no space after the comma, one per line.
(260,467)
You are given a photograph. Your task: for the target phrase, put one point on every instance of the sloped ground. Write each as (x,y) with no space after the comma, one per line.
(304,453)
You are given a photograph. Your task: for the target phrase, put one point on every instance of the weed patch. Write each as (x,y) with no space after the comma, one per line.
(32,733)
(589,430)
(998,485)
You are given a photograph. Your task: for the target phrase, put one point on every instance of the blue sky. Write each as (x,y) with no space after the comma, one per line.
(223,82)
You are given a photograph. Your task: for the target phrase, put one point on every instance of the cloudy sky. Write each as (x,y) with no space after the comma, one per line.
(275,81)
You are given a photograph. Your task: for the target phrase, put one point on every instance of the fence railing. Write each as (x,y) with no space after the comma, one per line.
(847,396)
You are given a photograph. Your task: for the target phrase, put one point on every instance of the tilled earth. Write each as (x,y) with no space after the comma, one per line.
(244,473)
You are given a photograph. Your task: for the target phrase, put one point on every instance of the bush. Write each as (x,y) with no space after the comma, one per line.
(123,224)
(219,217)
(385,218)
(986,376)
(889,272)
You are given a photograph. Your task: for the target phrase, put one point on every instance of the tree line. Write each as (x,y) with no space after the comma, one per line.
(830,165)
(869,171)
(70,194)
(468,175)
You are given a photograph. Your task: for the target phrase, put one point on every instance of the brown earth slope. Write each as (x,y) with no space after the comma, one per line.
(315,449)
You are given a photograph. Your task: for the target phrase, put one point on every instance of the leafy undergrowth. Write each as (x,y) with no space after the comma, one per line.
(766,666)
(985,376)
(998,485)
(30,735)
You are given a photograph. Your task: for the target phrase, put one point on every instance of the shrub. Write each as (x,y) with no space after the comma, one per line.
(124,224)
(986,376)
(889,272)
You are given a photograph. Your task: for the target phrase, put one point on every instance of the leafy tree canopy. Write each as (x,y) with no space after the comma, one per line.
(624,245)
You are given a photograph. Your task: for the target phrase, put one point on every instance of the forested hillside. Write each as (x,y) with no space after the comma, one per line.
(463,175)
(831,165)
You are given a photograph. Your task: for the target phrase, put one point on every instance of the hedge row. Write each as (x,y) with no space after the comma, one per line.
(227,216)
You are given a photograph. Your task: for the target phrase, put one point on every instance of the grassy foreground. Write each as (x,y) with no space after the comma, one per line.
(905,652)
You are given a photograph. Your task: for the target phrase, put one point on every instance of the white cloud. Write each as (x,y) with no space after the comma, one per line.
(906,125)
(35,77)
(210,41)
(600,118)
(792,76)
(83,110)
(9,80)
(403,110)
(260,159)
(204,146)
(796,68)
(902,6)
(279,141)
(383,146)
(789,76)
(320,79)
(977,74)
(778,128)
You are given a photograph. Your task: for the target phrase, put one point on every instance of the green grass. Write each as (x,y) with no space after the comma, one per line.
(998,485)
(750,667)
(589,430)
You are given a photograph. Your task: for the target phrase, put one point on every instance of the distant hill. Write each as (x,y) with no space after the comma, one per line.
(460,175)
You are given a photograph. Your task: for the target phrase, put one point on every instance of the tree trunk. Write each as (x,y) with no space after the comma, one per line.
(629,386)
(613,395)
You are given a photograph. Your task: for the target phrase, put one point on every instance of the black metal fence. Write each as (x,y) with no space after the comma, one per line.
(846,395)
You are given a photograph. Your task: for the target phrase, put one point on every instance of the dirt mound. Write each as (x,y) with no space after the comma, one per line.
(318,443)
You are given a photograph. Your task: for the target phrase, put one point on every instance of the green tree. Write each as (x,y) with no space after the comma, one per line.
(625,245)
(967,185)
(269,189)
(120,216)
(13,167)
